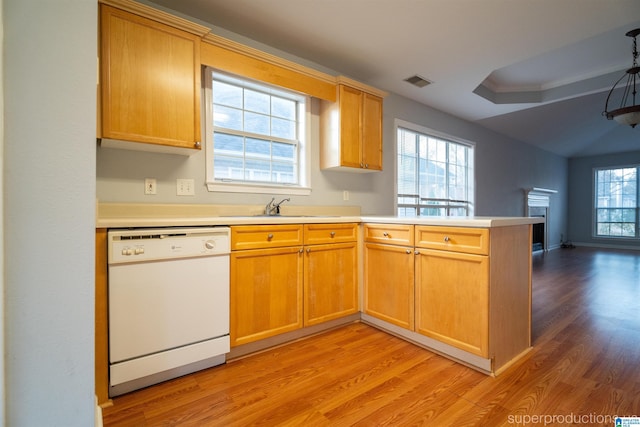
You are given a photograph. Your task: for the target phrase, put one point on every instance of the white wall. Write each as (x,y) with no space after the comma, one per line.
(49,211)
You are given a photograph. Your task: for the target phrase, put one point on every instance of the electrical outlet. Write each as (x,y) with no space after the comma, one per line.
(185,187)
(345,195)
(150,186)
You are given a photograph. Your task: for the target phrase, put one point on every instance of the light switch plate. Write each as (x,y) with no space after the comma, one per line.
(185,187)
(150,186)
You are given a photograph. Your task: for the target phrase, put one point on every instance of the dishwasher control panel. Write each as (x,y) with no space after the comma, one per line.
(138,245)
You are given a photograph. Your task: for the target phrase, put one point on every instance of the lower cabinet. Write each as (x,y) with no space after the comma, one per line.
(452,299)
(266,293)
(282,281)
(389,283)
(330,282)
(463,291)
(389,273)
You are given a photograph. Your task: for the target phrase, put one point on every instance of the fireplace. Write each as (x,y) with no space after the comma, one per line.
(537,205)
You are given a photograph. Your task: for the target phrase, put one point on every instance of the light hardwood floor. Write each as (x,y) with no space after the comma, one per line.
(584,368)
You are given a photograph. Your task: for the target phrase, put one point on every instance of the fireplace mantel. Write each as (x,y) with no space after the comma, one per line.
(537,203)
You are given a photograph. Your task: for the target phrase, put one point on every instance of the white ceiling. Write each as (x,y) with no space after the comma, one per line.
(546,65)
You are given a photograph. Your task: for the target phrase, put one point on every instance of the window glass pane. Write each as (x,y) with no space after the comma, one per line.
(226,117)
(226,144)
(258,148)
(227,94)
(283,108)
(228,167)
(281,128)
(258,170)
(257,101)
(283,172)
(283,152)
(256,123)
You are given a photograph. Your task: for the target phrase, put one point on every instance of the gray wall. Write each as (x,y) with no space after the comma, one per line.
(49,209)
(581,197)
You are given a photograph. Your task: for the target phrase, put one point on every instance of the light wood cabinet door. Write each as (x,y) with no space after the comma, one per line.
(330,282)
(372,131)
(150,79)
(389,283)
(266,293)
(452,299)
(351,131)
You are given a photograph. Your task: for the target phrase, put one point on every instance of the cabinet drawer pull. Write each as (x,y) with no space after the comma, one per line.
(269,236)
(446,238)
(385,234)
(333,233)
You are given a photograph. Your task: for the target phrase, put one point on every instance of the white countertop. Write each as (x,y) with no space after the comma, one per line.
(456,221)
(136,215)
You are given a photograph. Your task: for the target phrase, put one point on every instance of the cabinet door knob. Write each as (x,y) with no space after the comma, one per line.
(361,165)
(308,250)
(408,251)
(300,251)
(417,252)
(197,144)
(366,165)
(269,236)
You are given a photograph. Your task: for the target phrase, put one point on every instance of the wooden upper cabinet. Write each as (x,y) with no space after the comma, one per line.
(150,81)
(351,130)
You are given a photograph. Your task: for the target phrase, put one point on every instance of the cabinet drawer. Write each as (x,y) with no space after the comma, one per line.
(316,234)
(454,239)
(265,236)
(393,234)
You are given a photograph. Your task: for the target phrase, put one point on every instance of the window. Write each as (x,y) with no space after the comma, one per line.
(435,173)
(256,136)
(616,202)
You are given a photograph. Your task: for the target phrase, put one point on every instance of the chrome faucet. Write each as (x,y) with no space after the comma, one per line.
(274,208)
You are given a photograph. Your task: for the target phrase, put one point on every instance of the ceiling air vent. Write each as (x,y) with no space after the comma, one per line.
(418,81)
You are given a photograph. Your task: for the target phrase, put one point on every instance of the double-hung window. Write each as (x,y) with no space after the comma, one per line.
(616,202)
(434,173)
(256,136)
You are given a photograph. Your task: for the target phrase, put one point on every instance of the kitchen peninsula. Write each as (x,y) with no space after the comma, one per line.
(459,286)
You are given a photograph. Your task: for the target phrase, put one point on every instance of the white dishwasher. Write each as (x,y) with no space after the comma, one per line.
(168,304)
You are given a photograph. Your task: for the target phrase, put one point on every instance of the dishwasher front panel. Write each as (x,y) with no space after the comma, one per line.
(161,305)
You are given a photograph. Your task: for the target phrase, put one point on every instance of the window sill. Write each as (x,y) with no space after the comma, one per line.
(231,187)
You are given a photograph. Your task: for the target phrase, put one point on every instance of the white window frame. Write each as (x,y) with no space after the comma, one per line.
(398,123)
(594,202)
(303,188)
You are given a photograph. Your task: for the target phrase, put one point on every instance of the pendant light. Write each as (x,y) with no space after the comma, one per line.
(628,112)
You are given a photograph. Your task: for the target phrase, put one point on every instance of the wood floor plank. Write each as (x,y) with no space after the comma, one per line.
(584,363)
